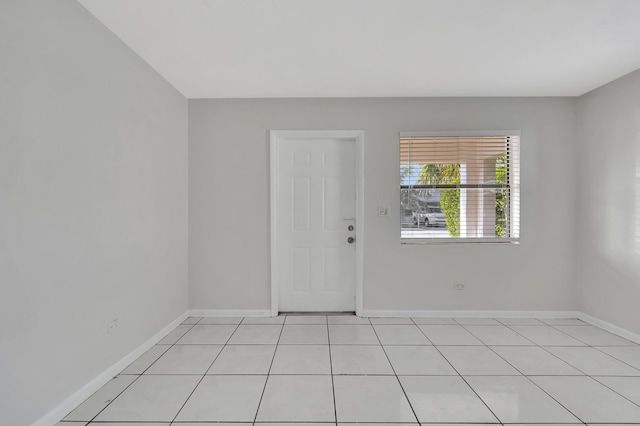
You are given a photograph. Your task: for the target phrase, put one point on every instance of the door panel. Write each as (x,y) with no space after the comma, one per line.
(315,205)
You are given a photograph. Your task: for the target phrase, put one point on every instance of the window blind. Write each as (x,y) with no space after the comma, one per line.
(473,179)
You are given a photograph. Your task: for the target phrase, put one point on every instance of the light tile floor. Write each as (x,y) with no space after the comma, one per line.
(323,370)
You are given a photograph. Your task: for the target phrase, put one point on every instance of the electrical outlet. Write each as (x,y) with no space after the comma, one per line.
(383,211)
(111,325)
(458,287)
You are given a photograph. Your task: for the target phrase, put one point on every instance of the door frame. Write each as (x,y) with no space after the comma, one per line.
(276,137)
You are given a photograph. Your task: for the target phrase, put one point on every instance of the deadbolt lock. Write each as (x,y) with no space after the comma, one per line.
(350,227)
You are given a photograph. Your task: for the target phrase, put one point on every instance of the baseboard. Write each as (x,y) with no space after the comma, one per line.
(254,313)
(612,328)
(75,399)
(468,314)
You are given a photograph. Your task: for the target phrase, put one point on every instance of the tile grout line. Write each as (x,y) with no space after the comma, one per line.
(333,385)
(616,358)
(458,373)
(613,390)
(139,375)
(266,381)
(394,372)
(493,349)
(206,371)
(527,377)
(593,377)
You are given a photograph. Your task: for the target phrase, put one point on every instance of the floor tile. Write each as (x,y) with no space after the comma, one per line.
(594,336)
(174,335)
(476,360)
(499,358)
(150,399)
(301,359)
(434,321)
(629,387)
(297,399)
(347,319)
(256,335)
(371,399)
(589,400)
(207,335)
(449,335)
(476,321)
(243,359)
(400,335)
(185,359)
(546,335)
(514,399)
(387,424)
(359,359)
(497,335)
(220,321)
(441,398)
(352,335)
(535,361)
(390,320)
(519,321)
(612,424)
(627,354)
(294,424)
(304,334)
(265,320)
(141,364)
(224,398)
(563,321)
(418,360)
(199,424)
(306,319)
(100,399)
(593,362)
(125,424)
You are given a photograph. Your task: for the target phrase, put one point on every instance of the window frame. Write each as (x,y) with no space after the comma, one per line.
(513,184)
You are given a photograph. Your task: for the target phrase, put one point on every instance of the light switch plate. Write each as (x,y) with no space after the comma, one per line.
(383,211)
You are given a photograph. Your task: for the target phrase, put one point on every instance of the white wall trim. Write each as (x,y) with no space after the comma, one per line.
(216,313)
(469,314)
(76,398)
(612,328)
(358,137)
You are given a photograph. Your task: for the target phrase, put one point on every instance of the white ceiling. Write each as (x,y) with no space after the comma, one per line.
(348,48)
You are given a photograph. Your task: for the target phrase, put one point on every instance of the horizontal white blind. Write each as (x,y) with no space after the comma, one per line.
(474,179)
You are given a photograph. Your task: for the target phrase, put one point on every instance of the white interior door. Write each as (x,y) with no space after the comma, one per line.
(315,221)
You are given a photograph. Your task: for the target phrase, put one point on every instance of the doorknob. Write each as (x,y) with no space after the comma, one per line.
(351,240)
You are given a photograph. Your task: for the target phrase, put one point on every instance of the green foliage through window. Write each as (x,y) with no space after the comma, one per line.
(447,173)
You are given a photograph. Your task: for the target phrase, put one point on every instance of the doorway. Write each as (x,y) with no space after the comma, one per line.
(316,221)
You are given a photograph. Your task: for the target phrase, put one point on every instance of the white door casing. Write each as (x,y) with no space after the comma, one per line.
(316,194)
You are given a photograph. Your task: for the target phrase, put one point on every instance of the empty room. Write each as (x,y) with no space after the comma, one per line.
(319,212)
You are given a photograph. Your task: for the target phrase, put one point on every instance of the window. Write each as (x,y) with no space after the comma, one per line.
(462,186)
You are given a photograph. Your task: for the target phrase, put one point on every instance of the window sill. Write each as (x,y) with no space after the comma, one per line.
(449,241)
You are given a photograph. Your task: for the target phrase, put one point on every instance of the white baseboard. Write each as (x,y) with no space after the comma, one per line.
(612,328)
(468,314)
(70,403)
(254,313)
(75,399)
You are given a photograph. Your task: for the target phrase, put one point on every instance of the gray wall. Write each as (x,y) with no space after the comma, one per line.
(608,214)
(93,203)
(229,203)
